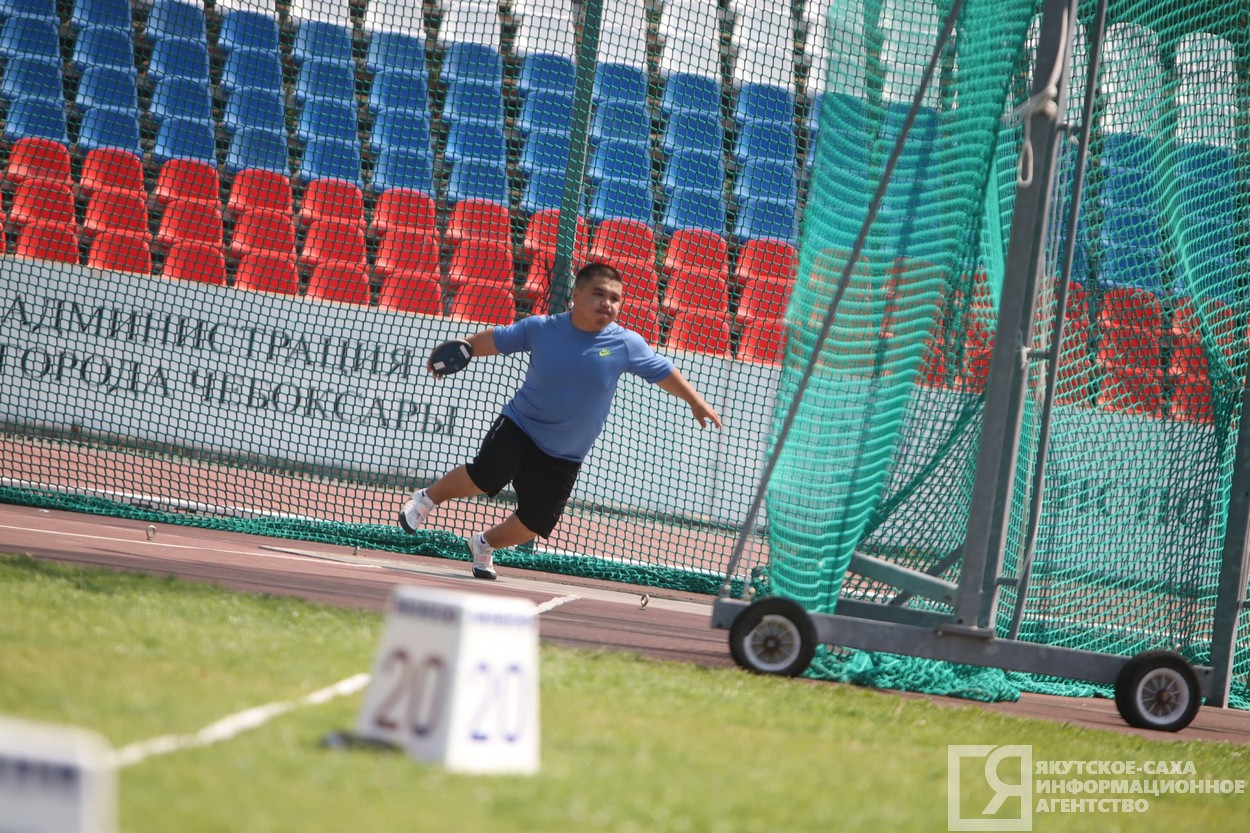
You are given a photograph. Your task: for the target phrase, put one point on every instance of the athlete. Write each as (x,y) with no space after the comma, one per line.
(545,432)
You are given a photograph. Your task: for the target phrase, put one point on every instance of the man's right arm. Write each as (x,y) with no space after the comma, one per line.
(483,343)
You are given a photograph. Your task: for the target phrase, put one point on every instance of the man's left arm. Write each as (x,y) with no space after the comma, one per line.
(677,385)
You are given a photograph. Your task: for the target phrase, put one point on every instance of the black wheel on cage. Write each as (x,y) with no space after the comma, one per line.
(1158,690)
(773,636)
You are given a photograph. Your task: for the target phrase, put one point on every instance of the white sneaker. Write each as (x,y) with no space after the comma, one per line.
(483,557)
(413,514)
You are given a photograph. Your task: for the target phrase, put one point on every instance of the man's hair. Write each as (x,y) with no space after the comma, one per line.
(595,270)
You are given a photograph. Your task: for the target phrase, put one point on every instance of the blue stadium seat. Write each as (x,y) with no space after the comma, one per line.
(175,20)
(107,14)
(620,121)
(475,179)
(258,149)
(401,128)
(42,9)
(546,73)
(471,101)
(395,52)
(544,152)
(109,87)
(247,29)
(765,140)
(327,119)
(620,83)
(702,170)
(393,89)
(319,40)
(543,112)
(330,159)
(766,179)
(30,37)
(472,62)
(184,139)
(1132,226)
(251,69)
(695,209)
(98,46)
(477,142)
(764,102)
(261,109)
(544,191)
(693,131)
(181,98)
(322,79)
(620,160)
(38,78)
(684,92)
(1129,266)
(398,167)
(105,128)
(618,199)
(179,59)
(812,122)
(766,219)
(42,118)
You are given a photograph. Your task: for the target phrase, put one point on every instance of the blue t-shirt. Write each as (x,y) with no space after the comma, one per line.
(564,401)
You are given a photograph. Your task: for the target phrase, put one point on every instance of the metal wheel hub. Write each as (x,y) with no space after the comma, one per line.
(774,641)
(1163,693)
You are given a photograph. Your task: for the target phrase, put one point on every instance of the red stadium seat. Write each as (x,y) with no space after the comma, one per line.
(189,221)
(705,290)
(700,331)
(407,250)
(41,201)
(623,240)
(262,271)
(696,250)
(48,241)
(643,318)
(412,292)
(403,208)
(121,252)
(36,158)
(770,260)
(257,190)
(116,211)
(188,179)
(477,261)
(764,299)
(486,302)
(1137,390)
(331,199)
(340,281)
(763,341)
(195,261)
(1076,367)
(333,240)
(106,169)
(542,232)
(263,231)
(479,220)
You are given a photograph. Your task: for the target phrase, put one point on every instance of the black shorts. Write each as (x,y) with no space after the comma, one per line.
(542,482)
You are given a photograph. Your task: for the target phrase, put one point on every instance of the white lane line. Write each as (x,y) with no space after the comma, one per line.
(554,603)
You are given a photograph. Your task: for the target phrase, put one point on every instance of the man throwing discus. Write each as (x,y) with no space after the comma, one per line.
(545,432)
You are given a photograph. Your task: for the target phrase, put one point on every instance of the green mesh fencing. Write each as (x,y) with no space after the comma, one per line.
(1126,553)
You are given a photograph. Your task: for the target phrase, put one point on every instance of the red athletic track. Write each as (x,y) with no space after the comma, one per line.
(671,626)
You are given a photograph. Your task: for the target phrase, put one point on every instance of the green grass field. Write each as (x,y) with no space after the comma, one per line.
(628,744)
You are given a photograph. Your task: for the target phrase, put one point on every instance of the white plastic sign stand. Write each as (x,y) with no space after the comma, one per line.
(455,681)
(55,779)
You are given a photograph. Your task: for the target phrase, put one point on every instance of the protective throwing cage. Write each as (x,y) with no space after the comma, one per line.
(234,231)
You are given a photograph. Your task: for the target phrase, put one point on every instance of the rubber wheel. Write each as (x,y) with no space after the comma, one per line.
(1158,690)
(773,636)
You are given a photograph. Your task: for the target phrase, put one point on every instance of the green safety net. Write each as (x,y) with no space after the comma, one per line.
(1127,549)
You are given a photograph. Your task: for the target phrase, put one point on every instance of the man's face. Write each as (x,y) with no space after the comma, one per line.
(596,304)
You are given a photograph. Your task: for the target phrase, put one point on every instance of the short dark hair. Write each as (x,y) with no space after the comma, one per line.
(596,270)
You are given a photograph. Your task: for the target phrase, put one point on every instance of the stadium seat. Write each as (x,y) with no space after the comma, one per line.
(327,119)
(36,118)
(195,261)
(773,219)
(693,131)
(175,20)
(470,141)
(401,168)
(30,37)
(763,299)
(700,331)
(643,318)
(124,211)
(97,14)
(544,191)
(318,40)
(412,292)
(616,199)
(627,161)
(180,98)
(36,78)
(395,51)
(472,62)
(620,121)
(254,109)
(686,289)
(620,83)
(687,93)
(544,152)
(480,220)
(106,128)
(407,250)
(189,220)
(262,271)
(111,169)
(695,250)
(330,159)
(639,280)
(106,86)
(765,140)
(475,179)
(543,72)
(98,46)
(617,240)
(763,341)
(542,230)
(700,170)
(764,102)
(184,139)
(256,189)
(544,112)
(325,80)
(694,209)
(243,28)
(178,59)
(38,158)
(1131,323)
(258,150)
(48,241)
(766,179)
(121,252)
(344,282)
(400,208)
(766,260)
(395,90)
(407,129)
(333,240)
(249,69)
(332,199)
(468,101)
(485,302)
(478,261)
(263,230)
(41,201)
(182,180)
